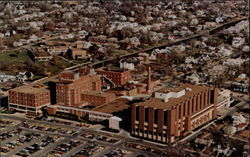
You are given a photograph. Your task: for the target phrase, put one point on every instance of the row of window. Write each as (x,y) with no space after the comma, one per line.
(155,115)
(22,107)
(195,104)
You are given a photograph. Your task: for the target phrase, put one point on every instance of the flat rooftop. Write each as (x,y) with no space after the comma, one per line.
(167,90)
(101,94)
(160,104)
(113,69)
(114,106)
(31,89)
(40,52)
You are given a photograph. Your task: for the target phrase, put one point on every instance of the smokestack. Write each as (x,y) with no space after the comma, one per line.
(92,71)
(149,80)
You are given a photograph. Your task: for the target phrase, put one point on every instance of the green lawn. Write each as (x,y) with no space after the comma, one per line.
(12,62)
(13,57)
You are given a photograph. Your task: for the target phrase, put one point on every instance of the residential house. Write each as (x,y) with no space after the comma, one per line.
(126,65)
(238,119)
(83,44)
(38,54)
(237,42)
(5,77)
(24,76)
(56,50)
(224,99)
(191,60)
(223,52)
(100,38)
(230,130)
(234,62)
(194,78)
(78,53)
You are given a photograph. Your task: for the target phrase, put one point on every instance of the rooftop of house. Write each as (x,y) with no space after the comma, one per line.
(39,52)
(78,49)
(57,43)
(31,89)
(172,101)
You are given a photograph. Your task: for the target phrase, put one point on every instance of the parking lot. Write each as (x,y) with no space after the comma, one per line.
(24,138)
(117,153)
(89,150)
(100,138)
(64,148)
(7,123)
(8,148)
(32,149)
(48,128)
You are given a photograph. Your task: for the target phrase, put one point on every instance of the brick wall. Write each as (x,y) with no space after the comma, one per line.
(29,99)
(179,121)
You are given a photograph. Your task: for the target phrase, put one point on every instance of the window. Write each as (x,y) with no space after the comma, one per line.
(212,97)
(21,107)
(166,118)
(205,98)
(201,96)
(184,108)
(146,114)
(137,113)
(155,116)
(197,103)
(179,108)
(32,109)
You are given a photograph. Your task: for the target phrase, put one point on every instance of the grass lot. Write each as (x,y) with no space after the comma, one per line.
(14,57)
(12,62)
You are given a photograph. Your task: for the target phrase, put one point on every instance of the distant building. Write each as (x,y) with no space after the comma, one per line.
(224,99)
(57,50)
(237,62)
(126,65)
(38,54)
(173,113)
(230,130)
(78,53)
(237,42)
(100,38)
(30,99)
(117,76)
(238,119)
(5,77)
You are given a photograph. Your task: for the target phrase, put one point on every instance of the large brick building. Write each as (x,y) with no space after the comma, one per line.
(30,99)
(78,90)
(173,113)
(98,98)
(117,76)
(71,85)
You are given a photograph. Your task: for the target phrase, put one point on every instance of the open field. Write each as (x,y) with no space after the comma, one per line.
(12,62)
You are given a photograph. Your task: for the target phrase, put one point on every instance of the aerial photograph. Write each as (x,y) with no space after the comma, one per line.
(124,78)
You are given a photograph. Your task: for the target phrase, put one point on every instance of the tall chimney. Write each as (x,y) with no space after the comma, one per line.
(149,84)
